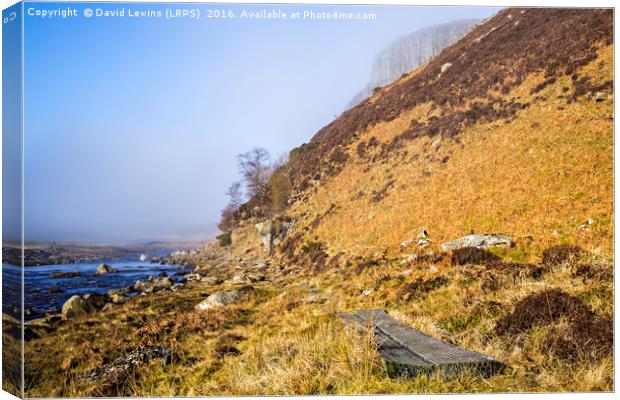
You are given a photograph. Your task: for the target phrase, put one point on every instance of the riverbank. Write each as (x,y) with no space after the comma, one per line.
(251,324)
(48,287)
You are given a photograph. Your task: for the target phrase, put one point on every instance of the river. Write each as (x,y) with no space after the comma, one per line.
(44,294)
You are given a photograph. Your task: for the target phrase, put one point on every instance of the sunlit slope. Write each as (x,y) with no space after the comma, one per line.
(534,162)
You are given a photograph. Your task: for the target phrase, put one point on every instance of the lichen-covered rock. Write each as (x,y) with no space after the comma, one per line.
(76,306)
(135,358)
(265,234)
(220,299)
(271,233)
(477,240)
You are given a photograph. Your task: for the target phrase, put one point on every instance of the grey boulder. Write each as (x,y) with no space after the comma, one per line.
(220,299)
(477,240)
(105,269)
(78,306)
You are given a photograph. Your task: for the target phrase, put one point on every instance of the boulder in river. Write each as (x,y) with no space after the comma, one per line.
(105,269)
(220,299)
(477,240)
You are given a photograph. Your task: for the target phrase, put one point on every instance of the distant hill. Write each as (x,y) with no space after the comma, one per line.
(409,52)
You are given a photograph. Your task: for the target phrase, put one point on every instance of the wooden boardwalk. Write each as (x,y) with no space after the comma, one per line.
(409,352)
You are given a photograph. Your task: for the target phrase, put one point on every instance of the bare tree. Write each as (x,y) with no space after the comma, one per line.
(280,161)
(228,218)
(279,184)
(255,168)
(235,195)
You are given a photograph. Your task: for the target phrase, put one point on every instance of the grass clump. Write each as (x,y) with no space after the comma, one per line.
(559,254)
(312,246)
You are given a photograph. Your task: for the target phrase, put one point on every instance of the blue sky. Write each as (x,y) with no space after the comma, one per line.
(132,125)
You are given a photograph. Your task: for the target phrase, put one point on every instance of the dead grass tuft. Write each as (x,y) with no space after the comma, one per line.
(542,308)
(584,339)
(472,255)
(559,254)
(420,287)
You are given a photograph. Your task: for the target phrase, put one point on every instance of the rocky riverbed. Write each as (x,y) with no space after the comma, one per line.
(48,287)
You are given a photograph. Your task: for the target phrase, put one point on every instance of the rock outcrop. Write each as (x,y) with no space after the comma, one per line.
(409,52)
(273,232)
(478,241)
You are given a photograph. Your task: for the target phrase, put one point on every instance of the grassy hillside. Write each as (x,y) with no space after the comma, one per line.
(536,176)
(515,136)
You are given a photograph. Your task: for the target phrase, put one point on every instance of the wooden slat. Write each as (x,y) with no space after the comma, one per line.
(410,352)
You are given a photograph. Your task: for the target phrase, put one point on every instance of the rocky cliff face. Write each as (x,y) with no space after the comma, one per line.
(409,52)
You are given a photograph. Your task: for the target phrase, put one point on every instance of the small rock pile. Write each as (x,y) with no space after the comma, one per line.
(123,364)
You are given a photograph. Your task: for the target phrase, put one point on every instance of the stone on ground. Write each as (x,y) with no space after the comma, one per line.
(220,299)
(76,306)
(477,240)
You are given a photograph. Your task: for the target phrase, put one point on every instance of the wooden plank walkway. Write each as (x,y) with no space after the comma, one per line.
(408,352)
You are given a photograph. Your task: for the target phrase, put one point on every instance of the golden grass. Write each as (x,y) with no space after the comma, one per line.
(11,356)
(288,345)
(538,177)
